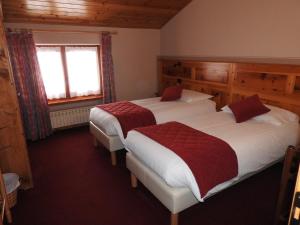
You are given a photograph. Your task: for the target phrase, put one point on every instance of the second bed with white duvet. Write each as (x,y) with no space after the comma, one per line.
(257,143)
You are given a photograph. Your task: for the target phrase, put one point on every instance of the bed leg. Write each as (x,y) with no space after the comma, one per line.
(113,156)
(95,141)
(134,181)
(174,219)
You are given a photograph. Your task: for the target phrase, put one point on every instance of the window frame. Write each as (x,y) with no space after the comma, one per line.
(68,98)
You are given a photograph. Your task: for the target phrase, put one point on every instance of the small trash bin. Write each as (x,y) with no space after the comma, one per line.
(12,183)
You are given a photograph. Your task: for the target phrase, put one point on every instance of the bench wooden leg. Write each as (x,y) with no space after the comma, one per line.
(134,181)
(174,219)
(113,156)
(95,141)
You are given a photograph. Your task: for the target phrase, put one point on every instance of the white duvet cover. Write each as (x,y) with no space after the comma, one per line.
(256,144)
(163,112)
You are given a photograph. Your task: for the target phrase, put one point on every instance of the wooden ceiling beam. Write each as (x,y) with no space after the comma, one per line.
(89,13)
(98,14)
(101,18)
(122,21)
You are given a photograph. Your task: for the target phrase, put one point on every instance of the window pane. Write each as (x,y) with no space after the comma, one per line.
(52,71)
(83,70)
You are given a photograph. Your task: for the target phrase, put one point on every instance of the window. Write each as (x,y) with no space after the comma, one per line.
(70,72)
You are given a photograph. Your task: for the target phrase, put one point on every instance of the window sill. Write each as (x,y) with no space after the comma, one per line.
(75,99)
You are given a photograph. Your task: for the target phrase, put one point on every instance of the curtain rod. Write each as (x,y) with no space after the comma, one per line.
(64,31)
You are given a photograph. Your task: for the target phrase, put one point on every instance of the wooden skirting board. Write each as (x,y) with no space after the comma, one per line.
(276,84)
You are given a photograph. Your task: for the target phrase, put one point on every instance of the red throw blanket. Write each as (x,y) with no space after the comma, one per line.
(211,159)
(129,115)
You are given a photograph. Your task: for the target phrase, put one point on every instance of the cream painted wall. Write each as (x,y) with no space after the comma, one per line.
(134,53)
(234,28)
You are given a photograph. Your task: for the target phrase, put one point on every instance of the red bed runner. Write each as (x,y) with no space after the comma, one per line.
(211,159)
(129,115)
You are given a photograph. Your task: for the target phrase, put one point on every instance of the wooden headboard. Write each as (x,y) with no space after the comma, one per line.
(276,84)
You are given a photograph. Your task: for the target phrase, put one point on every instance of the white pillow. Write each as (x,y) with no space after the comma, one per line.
(277,116)
(283,114)
(192,96)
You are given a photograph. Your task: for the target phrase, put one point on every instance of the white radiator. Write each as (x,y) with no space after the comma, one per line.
(70,117)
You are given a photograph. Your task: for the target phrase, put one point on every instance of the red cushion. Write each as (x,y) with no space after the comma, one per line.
(171,93)
(248,108)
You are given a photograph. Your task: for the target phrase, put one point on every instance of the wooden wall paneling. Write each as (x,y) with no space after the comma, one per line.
(254,78)
(288,99)
(261,82)
(272,78)
(279,102)
(297,85)
(13,149)
(177,69)
(207,77)
(214,72)
(184,70)
(290,84)
(276,84)
(231,77)
(268,68)
(193,73)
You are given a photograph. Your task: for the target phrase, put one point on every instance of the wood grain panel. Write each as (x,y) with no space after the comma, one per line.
(178,69)
(264,82)
(276,84)
(215,72)
(297,84)
(267,68)
(113,13)
(207,77)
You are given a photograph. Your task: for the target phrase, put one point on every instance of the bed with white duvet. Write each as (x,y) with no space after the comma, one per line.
(191,103)
(258,142)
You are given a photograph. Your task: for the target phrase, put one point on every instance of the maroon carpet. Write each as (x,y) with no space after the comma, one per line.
(75,184)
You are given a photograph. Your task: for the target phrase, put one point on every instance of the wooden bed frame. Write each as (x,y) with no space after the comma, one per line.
(276,84)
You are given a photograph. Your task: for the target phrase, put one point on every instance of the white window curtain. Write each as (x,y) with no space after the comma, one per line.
(83,71)
(52,71)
